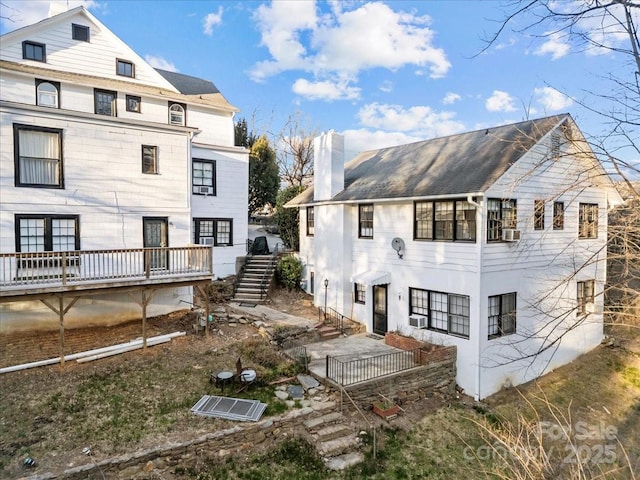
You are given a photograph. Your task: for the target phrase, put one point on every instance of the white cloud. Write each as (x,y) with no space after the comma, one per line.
(450,98)
(551,99)
(20,13)
(325,90)
(421,121)
(212,20)
(500,101)
(386,86)
(342,43)
(555,46)
(161,63)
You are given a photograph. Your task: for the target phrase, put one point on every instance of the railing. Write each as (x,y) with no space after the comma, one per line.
(297,352)
(37,269)
(334,319)
(347,370)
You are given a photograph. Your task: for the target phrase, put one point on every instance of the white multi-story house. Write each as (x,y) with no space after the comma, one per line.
(120,184)
(493,241)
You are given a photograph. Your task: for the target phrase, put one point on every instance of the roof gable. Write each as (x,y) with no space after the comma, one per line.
(96,57)
(455,165)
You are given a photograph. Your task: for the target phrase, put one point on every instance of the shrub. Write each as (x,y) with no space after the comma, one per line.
(289,272)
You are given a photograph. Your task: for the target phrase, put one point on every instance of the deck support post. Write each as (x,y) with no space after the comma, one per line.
(202,289)
(61,310)
(145,299)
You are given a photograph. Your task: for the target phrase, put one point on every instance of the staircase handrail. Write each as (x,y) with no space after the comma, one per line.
(265,281)
(372,427)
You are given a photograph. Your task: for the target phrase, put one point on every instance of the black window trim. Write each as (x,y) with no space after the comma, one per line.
(34,44)
(429,316)
(77,27)
(40,81)
(558,215)
(433,221)
(582,301)
(197,221)
(16,155)
(114,102)
(156,160)
(539,208)
(310,221)
(582,234)
(502,209)
(47,218)
(126,62)
(184,113)
(501,332)
(214,180)
(360,295)
(360,207)
(132,97)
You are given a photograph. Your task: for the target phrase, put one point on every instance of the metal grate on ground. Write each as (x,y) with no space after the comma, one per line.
(229,408)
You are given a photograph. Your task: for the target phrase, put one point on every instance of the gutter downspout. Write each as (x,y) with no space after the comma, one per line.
(480,213)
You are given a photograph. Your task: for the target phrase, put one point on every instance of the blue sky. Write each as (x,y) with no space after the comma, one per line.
(382,73)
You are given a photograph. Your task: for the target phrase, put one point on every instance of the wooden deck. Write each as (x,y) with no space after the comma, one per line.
(82,271)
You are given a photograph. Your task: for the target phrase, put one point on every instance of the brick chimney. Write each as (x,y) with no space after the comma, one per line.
(328,165)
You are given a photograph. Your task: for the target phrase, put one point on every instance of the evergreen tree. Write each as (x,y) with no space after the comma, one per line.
(264,178)
(288,218)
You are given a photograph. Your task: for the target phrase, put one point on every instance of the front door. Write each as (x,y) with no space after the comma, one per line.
(155,235)
(380,309)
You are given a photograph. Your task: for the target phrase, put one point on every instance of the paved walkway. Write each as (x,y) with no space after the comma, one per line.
(271,316)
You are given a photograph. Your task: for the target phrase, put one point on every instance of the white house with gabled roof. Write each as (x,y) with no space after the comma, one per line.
(100,152)
(493,241)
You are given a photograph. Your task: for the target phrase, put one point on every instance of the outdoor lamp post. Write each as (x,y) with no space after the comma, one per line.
(326,285)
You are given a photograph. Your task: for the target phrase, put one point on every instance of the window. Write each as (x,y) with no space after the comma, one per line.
(310,221)
(34,51)
(558,215)
(588,220)
(176,114)
(360,293)
(450,220)
(219,230)
(538,214)
(47,233)
(80,32)
(585,296)
(125,68)
(365,221)
(446,312)
(500,214)
(38,156)
(105,102)
(204,177)
(502,315)
(47,93)
(149,159)
(133,103)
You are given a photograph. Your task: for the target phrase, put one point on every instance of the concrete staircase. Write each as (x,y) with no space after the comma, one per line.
(255,278)
(335,440)
(327,332)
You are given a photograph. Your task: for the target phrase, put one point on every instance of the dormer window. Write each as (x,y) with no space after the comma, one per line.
(125,68)
(176,114)
(47,93)
(34,51)
(80,32)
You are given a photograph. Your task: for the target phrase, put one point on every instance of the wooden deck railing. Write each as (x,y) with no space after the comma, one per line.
(42,269)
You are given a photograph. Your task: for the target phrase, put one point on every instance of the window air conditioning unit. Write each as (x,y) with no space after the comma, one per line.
(206,241)
(418,321)
(205,190)
(510,235)
(590,307)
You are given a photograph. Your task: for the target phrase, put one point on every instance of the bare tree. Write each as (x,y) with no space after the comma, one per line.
(294,147)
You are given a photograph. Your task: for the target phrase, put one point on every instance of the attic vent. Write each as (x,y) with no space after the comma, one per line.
(80,32)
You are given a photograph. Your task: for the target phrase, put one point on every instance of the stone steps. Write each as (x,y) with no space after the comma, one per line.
(257,270)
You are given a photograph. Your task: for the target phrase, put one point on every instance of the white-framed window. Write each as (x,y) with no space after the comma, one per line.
(445,312)
(588,220)
(502,315)
(214,231)
(203,177)
(38,156)
(149,159)
(177,114)
(47,93)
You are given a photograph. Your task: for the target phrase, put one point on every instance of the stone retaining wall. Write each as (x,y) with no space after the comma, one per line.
(244,438)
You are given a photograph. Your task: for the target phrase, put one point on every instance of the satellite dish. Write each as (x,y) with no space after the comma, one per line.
(398,245)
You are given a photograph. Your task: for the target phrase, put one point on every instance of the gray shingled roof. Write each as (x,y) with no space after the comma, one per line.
(188,85)
(458,164)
